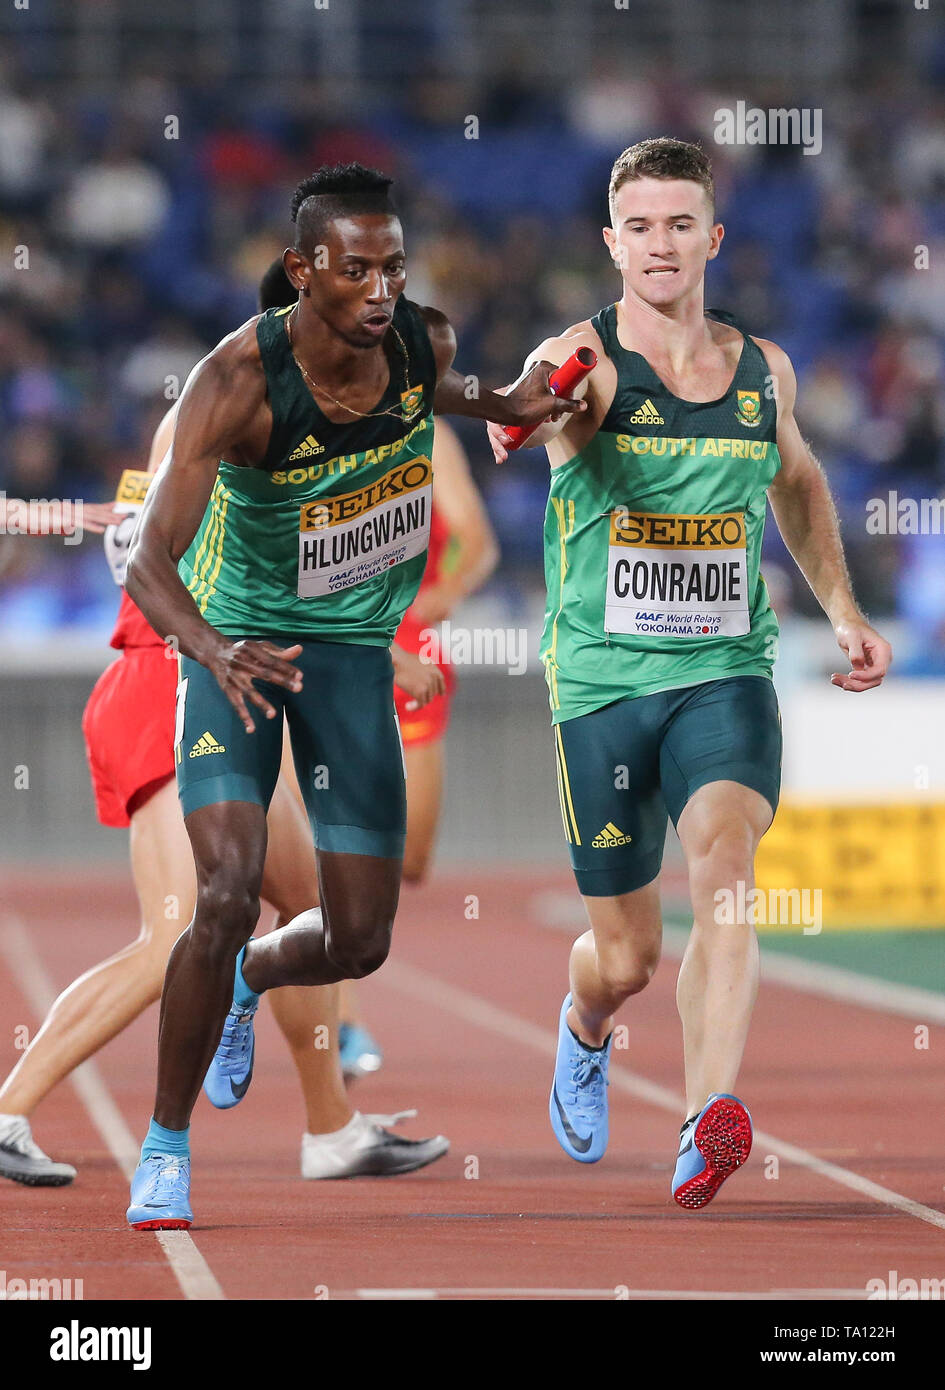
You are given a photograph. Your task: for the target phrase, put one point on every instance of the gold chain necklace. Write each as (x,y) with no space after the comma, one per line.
(364,414)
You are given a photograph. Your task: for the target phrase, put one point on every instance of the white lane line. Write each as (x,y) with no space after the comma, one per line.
(193,1274)
(832,981)
(556,911)
(433,990)
(618,1294)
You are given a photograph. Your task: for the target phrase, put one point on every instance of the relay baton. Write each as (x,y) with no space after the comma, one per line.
(562,382)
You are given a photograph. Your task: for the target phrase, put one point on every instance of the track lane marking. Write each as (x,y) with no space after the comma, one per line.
(612,1295)
(190,1269)
(431,989)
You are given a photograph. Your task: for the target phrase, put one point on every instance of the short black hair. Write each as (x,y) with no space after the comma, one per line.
(337,190)
(276,290)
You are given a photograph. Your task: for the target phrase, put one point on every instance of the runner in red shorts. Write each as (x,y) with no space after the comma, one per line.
(129,730)
(462,555)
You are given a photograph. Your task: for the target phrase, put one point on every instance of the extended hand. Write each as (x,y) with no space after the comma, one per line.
(499,440)
(96,516)
(237,665)
(870,656)
(533,402)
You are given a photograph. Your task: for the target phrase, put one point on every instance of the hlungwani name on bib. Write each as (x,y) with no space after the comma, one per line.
(348,539)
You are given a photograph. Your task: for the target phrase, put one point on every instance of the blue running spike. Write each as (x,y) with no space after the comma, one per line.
(711,1146)
(578,1103)
(160,1194)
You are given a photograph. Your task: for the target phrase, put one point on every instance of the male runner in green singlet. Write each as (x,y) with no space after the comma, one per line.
(659,642)
(309,432)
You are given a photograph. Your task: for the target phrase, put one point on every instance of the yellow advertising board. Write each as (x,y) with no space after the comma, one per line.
(876,866)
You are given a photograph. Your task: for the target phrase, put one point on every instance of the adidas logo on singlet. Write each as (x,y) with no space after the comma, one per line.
(647,414)
(306,449)
(205,744)
(609,837)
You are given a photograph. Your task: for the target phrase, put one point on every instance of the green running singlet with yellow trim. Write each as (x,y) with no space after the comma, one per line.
(327,538)
(653,539)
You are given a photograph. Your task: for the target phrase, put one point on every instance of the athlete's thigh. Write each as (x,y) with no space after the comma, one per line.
(347,750)
(723,731)
(611,806)
(359,892)
(629,924)
(425,763)
(229,841)
(216,759)
(739,811)
(290,879)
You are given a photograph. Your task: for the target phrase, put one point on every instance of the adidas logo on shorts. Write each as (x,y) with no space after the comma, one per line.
(647,414)
(306,449)
(609,837)
(205,744)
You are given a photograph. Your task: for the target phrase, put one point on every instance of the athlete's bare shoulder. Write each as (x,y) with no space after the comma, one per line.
(559,349)
(782,372)
(223,407)
(598,389)
(442,337)
(726,339)
(238,353)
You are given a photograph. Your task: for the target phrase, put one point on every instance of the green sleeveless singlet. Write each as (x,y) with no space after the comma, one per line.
(653,539)
(327,538)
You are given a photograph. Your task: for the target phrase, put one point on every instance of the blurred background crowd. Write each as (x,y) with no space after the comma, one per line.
(149,205)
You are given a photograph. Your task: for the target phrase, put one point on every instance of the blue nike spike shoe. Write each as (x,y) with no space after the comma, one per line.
(578,1104)
(711,1146)
(231,1070)
(160,1194)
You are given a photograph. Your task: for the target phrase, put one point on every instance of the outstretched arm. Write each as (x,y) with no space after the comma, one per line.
(564,435)
(531,400)
(807,519)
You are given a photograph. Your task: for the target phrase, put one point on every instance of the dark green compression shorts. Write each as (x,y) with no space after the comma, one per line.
(623,767)
(345,744)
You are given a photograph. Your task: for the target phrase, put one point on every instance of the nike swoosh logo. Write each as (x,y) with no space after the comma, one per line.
(240,1090)
(575,1140)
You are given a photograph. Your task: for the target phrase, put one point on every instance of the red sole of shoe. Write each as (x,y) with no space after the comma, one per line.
(723,1137)
(170,1223)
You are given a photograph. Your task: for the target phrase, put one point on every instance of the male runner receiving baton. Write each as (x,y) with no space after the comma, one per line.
(659,642)
(309,431)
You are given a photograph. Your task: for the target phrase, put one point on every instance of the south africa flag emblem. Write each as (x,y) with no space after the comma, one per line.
(748,408)
(411,402)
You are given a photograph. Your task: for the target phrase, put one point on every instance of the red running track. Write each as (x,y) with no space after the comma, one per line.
(466,1010)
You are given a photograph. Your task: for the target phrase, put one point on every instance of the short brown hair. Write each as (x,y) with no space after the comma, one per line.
(662,158)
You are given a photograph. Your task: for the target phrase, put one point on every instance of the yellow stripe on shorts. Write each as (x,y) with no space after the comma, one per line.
(565,779)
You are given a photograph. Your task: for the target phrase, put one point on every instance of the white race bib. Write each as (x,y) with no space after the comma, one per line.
(117,539)
(677,576)
(345,540)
